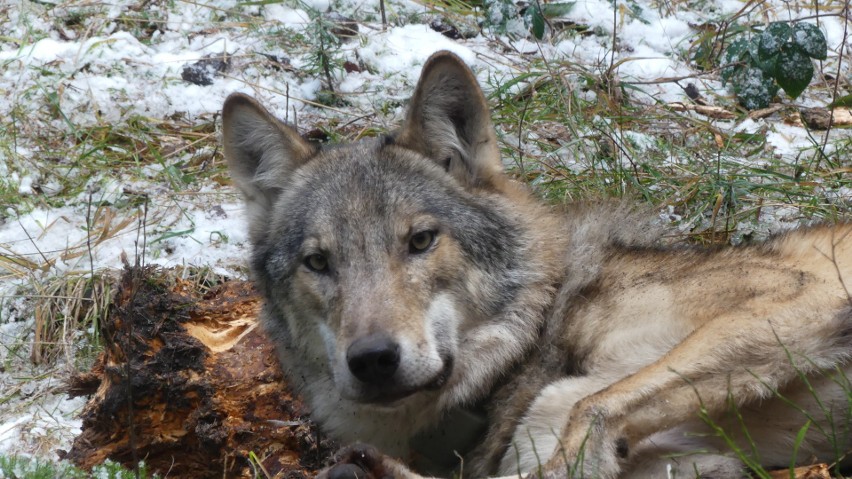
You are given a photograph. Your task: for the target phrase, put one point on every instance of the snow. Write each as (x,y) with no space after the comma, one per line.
(595,13)
(103,74)
(294,18)
(30,427)
(402,50)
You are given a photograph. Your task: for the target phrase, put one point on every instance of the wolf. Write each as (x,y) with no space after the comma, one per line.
(439,319)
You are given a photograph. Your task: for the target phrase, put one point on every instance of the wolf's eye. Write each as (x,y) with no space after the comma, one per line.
(421,241)
(317,262)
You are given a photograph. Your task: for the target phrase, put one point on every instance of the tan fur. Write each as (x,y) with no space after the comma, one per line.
(585,347)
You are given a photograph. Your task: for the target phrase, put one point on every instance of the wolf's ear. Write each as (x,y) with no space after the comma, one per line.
(261,151)
(449,121)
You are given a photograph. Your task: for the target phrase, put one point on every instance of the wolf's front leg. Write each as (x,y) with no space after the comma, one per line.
(543,429)
(362,461)
(743,358)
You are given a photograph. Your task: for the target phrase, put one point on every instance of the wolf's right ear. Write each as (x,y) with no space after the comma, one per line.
(261,151)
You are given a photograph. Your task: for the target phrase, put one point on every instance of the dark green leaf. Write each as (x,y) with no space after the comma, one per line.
(794,70)
(635,11)
(754,88)
(537,23)
(810,38)
(499,13)
(733,54)
(772,39)
(766,64)
(731,72)
(703,52)
(761,58)
(735,50)
(551,10)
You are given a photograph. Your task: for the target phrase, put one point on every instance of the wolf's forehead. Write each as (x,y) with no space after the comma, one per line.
(359,186)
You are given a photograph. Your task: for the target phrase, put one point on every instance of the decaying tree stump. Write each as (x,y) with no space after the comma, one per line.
(189,384)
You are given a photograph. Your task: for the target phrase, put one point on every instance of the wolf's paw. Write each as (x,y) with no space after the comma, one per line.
(594,455)
(558,468)
(359,461)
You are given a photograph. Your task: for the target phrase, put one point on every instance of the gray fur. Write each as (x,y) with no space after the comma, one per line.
(584,346)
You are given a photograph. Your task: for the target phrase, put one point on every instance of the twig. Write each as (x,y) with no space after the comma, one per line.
(614,37)
(706,110)
(521,133)
(845,13)
(46,261)
(279,92)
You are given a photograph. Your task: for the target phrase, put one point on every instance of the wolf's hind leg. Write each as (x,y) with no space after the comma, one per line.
(684,452)
(702,466)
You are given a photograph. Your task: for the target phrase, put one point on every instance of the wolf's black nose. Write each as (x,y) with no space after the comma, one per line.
(373,359)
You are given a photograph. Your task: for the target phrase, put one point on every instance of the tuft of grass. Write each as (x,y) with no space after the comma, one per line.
(749,457)
(70,306)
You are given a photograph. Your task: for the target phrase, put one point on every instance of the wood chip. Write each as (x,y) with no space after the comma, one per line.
(820,118)
(817,471)
(706,110)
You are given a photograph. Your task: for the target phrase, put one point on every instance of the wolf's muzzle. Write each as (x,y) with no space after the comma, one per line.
(373,359)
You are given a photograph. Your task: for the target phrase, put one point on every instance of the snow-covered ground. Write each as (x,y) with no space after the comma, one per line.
(82,64)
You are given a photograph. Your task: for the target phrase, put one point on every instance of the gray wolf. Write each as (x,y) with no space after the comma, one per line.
(426,304)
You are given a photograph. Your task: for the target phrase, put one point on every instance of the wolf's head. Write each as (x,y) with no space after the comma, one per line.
(393,267)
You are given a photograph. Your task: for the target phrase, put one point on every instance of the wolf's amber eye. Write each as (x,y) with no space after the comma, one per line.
(316,262)
(421,241)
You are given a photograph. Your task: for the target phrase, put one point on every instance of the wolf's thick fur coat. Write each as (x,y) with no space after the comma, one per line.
(410,283)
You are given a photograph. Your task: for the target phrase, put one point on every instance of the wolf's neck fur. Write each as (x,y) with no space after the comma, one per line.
(586,235)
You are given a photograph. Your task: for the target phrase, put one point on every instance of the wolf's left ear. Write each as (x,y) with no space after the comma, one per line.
(449,121)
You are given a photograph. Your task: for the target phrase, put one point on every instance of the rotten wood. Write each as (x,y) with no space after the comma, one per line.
(189,384)
(822,118)
(817,471)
